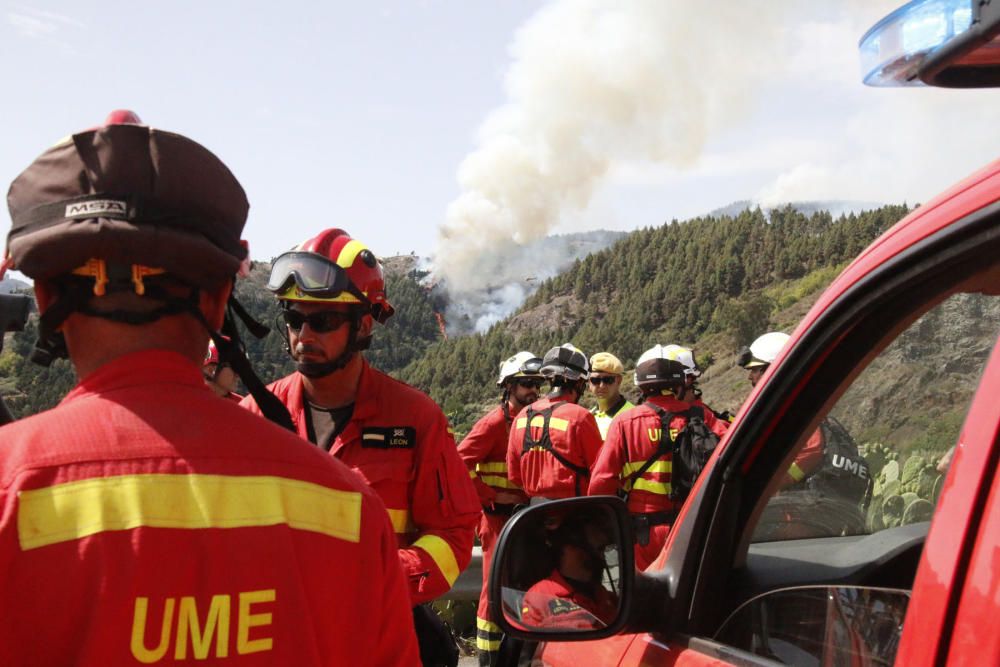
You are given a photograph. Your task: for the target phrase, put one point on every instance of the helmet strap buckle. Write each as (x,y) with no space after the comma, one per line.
(98,270)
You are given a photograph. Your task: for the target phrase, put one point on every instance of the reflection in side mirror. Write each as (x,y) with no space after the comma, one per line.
(820,625)
(563,570)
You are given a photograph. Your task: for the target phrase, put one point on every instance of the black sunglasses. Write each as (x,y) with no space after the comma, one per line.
(529,383)
(324,321)
(603,379)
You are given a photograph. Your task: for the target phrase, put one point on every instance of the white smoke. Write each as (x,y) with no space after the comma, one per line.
(523,269)
(594,83)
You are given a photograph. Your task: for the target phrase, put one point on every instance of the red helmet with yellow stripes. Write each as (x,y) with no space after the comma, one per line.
(332,267)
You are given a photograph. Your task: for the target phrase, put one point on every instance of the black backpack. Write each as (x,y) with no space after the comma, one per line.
(690,450)
(844,472)
(545,442)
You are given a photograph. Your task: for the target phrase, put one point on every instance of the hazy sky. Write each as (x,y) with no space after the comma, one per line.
(359,114)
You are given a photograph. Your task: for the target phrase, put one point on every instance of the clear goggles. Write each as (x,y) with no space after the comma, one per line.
(314,275)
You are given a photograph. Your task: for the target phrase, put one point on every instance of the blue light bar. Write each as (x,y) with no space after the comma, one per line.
(893,50)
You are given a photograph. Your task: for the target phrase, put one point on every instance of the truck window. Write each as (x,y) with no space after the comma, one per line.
(820,625)
(878,459)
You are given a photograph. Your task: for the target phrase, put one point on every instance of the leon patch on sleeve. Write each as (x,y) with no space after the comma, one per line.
(389,437)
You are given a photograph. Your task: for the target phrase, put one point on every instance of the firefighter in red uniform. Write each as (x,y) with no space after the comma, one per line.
(573,594)
(628,462)
(219,375)
(331,290)
(484,451)
(826,489)
(143,520)
(755,359)
(554,442)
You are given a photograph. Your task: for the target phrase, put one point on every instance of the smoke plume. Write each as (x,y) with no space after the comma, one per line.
(594,83)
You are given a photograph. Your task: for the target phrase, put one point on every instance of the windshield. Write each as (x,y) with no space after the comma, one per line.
(878,460)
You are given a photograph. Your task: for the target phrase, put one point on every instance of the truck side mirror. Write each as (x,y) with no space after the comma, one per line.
(564,570)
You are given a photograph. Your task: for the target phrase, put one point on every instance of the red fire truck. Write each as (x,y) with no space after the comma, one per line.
(753,575)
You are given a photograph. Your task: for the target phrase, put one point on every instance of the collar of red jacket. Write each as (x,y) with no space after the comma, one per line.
(668,403)
(365,401)
(140,369)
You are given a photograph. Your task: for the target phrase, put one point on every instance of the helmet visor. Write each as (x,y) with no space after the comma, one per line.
(314,275)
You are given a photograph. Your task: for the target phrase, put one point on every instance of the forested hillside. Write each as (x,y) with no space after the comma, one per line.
(712,282)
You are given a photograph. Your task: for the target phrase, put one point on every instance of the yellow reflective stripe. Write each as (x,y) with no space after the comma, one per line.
(441,554)
(472,474)
(555,424)
(796,473)
(501,482)
(538,420)
(490,645)
(75,510)
(400,520)
(657,466)
(488,626)
(349,252)
(496,466)
(661,488)
(488,635)
(372,436)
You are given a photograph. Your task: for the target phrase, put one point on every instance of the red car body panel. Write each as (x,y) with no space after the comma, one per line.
(960,568)
(956,593)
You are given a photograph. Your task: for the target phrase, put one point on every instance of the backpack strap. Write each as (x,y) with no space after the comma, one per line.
(665,446)
(545,442)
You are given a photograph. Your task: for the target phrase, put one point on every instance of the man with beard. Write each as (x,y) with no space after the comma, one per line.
(484,451)
(332,291)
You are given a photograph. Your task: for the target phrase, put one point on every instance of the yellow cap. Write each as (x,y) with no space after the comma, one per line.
(605,362)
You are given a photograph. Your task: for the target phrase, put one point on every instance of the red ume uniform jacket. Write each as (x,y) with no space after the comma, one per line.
(144,521)
(632,438)
(554,603)
(574,435)
(484,451)
(398,440)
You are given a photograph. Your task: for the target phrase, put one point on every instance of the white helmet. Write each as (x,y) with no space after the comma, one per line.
(520,365)
(659,365)
(685,355)
(763,351)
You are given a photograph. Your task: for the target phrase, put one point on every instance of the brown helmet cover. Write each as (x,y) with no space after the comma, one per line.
(128,194)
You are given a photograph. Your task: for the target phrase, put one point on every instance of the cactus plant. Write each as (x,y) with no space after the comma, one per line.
(892,511)
(918,510)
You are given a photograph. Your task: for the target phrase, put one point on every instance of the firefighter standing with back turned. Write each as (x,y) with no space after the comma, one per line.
(484,451)
(554,441)
(143,520)
(331,292)
(638,457)
(826,489)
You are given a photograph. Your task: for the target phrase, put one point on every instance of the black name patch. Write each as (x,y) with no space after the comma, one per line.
(389,437)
